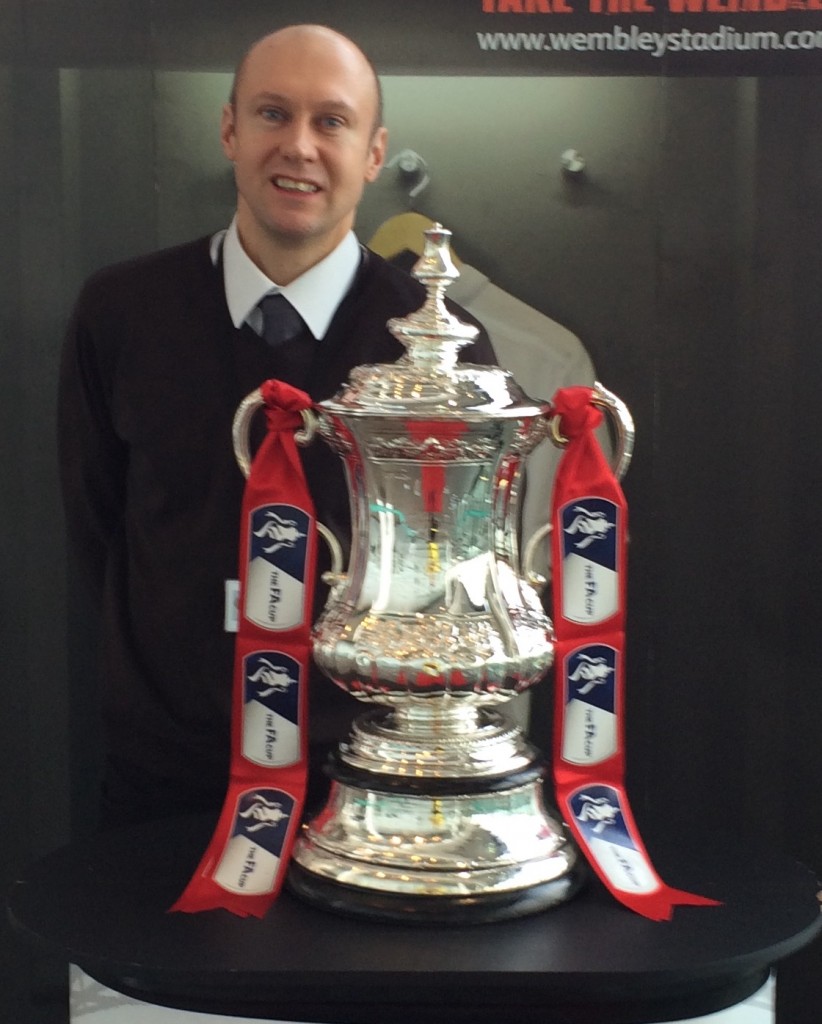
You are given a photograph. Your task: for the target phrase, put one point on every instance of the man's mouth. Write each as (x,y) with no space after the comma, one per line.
(296,185)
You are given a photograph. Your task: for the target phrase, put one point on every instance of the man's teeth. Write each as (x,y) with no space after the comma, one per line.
(296,186)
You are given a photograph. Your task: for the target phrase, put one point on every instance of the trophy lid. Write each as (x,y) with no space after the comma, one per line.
(427,380)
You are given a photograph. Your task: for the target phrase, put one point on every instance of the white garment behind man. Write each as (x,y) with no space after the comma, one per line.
(542,355)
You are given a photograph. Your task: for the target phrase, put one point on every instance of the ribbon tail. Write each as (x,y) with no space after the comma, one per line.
(661,906)
(681,898)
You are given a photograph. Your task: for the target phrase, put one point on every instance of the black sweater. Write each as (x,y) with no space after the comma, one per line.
(153,371)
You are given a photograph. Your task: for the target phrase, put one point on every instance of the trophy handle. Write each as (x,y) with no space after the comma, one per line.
(621,420)
(239,436)
(242,424)
(623,426)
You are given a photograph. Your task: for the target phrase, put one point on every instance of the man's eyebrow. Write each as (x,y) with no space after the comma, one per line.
(336,105)
(271,97)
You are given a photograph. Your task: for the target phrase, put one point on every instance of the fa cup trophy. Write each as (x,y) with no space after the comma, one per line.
(436,809)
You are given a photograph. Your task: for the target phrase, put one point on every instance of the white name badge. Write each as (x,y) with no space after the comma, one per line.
(231,613)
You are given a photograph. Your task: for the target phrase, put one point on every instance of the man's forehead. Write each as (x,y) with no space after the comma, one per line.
(310,63)
(304,53)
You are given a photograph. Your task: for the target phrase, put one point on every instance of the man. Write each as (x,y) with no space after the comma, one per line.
(159,353)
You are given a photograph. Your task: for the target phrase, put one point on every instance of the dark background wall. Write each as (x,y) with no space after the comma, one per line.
(687,259)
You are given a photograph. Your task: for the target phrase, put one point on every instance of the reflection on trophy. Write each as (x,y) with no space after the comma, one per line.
(436,809)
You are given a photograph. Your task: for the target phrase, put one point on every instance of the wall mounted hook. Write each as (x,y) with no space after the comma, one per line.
(572,163)
(411,165)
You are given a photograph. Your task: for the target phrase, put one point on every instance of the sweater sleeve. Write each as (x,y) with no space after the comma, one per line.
(92,457)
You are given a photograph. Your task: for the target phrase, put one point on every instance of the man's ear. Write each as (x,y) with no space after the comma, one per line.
(376,155)
(227,136)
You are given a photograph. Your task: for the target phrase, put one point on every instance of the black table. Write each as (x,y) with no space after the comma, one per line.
(102,905)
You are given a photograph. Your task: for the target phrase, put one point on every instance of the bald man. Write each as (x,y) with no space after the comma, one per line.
(158,354)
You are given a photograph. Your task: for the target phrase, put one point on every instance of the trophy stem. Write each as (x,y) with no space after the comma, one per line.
(436,718)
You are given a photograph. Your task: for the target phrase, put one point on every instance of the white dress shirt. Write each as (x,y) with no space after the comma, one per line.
(315,295)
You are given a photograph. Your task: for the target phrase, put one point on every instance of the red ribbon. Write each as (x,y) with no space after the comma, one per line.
(245,864)
(589,543)
(437,433)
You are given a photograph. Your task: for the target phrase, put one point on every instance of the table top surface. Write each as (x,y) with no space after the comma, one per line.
(102,903)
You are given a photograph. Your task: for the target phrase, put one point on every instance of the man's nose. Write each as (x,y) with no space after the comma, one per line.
(297,140)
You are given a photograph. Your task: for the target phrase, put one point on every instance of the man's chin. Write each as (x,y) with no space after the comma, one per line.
(294,232)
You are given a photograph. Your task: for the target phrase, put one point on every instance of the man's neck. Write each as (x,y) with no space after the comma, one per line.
(284,260)
(315,293)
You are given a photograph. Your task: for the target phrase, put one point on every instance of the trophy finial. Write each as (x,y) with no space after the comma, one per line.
(432,335)
(436,265)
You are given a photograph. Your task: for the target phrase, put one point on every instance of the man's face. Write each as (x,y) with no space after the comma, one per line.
(301,136)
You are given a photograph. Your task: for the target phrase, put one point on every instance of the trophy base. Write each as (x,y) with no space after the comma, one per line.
(424,910)
(435,850)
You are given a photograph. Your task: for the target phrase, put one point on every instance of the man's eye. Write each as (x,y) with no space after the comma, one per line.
(332,121)
(272,114)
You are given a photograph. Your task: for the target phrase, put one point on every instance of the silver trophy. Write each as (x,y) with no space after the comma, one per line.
(436,808)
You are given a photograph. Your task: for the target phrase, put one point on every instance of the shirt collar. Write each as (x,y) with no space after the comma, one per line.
(315,295)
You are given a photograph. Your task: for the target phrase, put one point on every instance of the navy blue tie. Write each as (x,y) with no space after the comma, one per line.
(281,322)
